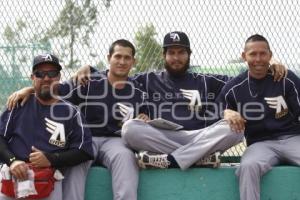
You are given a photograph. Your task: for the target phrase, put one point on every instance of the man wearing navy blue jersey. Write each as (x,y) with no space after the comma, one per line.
(269,112)
(45,132)
(107,101)
(184,98)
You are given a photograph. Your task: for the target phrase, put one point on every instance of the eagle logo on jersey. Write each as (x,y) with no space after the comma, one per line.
(57,130)
(126,112)
(194,97)
(279,104)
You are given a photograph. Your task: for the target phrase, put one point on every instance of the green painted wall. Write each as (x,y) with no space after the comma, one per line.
(282,183)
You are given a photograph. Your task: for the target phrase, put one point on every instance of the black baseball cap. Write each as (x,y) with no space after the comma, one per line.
(46,58)
(176,38)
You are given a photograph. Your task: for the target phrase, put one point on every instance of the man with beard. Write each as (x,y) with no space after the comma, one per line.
(45,132)
(181,97)
(107,101)
(185,98)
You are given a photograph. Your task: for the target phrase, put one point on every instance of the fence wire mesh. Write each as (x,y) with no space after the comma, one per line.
(80,32)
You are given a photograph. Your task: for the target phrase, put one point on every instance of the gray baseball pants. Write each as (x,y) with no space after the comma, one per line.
(73,185)
(187,147)
(260,157)
(112,153)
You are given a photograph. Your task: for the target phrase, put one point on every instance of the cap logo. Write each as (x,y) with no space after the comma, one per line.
(47,57)
(175,37)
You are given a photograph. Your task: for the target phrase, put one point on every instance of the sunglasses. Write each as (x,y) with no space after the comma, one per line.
(50,74)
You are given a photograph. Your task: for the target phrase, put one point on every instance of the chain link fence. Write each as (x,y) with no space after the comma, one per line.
(80,32)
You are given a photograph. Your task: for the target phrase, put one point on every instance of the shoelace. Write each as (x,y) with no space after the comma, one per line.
(206,159)
(159,161)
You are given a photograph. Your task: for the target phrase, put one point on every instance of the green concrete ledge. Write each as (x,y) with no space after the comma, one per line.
(282,183)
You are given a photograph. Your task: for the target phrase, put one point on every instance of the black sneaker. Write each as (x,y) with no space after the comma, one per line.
(151,160)
(212,161)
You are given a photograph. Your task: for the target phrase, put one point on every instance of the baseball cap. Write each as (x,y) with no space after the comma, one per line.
(176,38)
(46,58)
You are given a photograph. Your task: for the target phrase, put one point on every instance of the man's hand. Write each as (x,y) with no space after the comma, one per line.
(235,120)
(278,70)
(38,159)
(143,117)
(82,75)
(19,170)
(20,95)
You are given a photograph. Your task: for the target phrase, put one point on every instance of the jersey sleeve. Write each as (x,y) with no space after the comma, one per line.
(72,92)
(80,137)
(140,80)
(6,124)
(223,78)
(144,106)
(214,85)
(6,130)
(292,93)
(226,98)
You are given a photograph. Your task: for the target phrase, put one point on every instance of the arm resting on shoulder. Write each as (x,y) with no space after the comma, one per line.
(20,95)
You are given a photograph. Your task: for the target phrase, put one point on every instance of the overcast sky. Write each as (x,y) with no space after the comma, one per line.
(217,28)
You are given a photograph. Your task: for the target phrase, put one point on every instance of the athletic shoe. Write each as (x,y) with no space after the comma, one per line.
(151,160)
(212,161)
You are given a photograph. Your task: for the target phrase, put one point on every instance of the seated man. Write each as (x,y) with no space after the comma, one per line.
(46,131)
(107,102)
(269,112)
(185,98)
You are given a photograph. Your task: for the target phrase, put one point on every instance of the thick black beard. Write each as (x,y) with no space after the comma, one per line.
(45,95)
(177,73)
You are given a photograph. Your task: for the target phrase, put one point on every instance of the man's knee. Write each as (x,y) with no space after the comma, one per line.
(253,167)
(225,128)
(129,129)
(122,158)
(124,154)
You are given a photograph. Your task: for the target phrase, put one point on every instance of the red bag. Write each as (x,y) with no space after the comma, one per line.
(43,182)
(8,188)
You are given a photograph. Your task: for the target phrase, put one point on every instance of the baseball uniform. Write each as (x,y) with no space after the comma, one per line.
(272,130)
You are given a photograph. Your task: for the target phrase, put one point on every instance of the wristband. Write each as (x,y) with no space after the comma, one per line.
(11,160)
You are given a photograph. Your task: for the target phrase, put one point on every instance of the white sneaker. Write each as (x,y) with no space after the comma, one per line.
(151,160)
(212,161)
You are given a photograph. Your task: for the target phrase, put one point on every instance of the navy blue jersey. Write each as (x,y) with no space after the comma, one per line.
(187,100)
(271,108)
(50,128)
(106,108)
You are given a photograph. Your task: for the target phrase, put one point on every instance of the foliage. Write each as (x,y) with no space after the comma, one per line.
(15,36)
(75,24)
(21,45)
(149,51)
